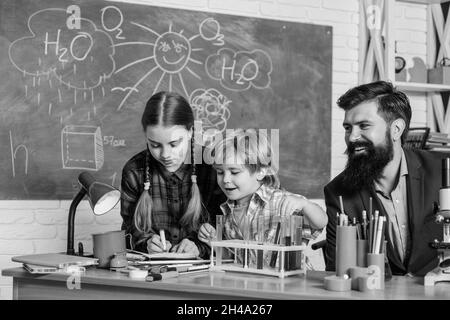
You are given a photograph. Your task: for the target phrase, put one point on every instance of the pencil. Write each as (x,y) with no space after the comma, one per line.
(378,235)
(358,231)
(385,225)
(342,204)
(370,234)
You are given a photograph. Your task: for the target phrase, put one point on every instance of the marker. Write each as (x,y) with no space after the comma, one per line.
(180,267)
(364,224)
(162,235)
(159,269)
(200,267)
(161,276)
(341,219)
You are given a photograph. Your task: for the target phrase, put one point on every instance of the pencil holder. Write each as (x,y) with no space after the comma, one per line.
(375,263)
(345,249)
(362,248)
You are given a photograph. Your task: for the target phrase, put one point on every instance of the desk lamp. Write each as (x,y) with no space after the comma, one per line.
(102,198)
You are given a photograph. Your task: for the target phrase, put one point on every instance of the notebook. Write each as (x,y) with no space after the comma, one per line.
(171,255)
(165,255)
(57,260)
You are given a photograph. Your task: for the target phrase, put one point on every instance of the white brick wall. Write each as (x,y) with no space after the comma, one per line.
(29,227)
(41,226)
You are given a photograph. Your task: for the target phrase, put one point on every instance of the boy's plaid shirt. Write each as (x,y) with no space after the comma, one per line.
(265,201)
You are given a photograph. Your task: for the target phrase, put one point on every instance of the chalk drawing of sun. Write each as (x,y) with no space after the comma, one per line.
(172,54)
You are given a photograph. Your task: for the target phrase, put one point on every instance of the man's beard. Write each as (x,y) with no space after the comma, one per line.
(362,169)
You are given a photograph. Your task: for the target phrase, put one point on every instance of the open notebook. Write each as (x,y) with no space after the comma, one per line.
(56,260)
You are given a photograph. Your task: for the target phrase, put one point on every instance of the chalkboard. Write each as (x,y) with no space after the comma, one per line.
(75,76)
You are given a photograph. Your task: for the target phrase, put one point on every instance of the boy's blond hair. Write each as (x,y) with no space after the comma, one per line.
(250,148)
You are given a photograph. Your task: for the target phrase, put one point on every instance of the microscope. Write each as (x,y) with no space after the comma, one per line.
(442,271)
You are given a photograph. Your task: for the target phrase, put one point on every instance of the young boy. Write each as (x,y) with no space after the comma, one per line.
(246,174)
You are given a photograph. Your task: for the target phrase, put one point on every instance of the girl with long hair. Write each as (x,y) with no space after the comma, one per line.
(162,187)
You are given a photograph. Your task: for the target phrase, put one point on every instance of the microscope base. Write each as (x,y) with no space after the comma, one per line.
(435,275)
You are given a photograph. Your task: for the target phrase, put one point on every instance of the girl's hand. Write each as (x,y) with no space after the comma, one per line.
(206,233)
(154,244)
(292,202)
(186,246)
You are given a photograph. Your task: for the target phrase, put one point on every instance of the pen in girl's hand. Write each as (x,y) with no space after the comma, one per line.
(162,235)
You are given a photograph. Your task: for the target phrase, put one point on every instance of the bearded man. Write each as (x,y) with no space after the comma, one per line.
(402,183)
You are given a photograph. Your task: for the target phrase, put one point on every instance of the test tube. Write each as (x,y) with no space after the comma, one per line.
(296,235)
(246,236)
(286,239)
(261,230)
(275,240)
(218,237)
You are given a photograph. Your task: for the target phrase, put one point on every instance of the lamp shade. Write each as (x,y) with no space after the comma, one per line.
(102,197)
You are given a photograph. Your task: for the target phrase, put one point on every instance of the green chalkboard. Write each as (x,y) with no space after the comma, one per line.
(75,76)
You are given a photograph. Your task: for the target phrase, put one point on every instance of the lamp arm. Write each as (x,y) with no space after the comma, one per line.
(71,222)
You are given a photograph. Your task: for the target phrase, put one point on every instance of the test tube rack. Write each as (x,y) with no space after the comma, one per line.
(278,271)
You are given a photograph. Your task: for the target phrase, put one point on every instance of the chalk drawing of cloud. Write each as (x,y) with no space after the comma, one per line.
(79,58)
(240,70)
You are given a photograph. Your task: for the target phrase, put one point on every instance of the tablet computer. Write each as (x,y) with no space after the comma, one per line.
(32,268)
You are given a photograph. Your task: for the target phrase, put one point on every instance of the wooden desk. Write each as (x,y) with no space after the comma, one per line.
(105,284)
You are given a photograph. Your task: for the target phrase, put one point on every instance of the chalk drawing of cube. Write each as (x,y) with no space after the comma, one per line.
(82,147)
